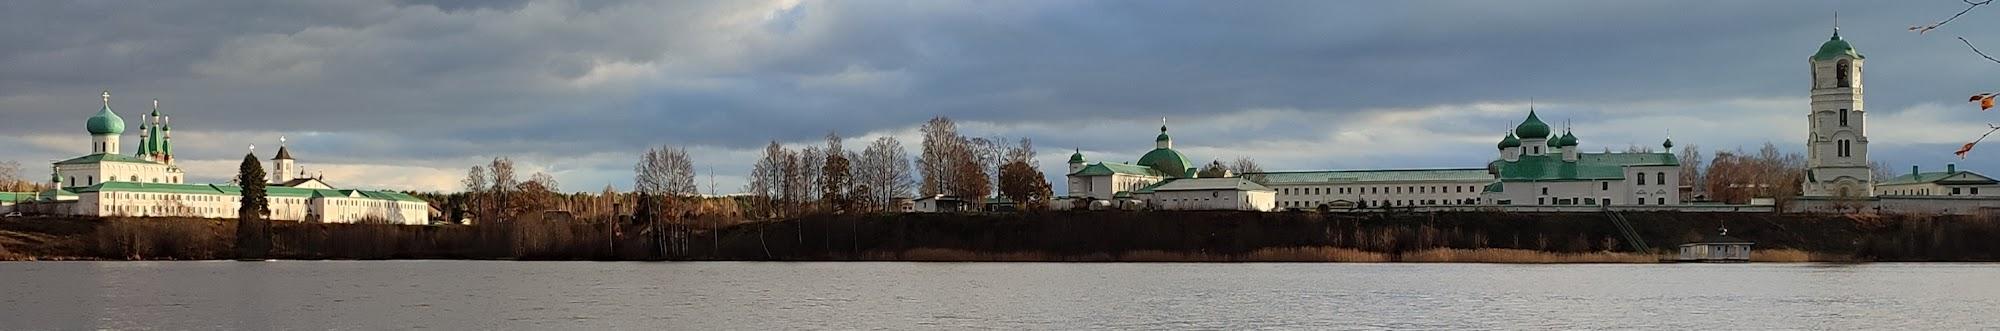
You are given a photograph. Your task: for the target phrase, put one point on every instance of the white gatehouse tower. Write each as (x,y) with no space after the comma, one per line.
(1837,143)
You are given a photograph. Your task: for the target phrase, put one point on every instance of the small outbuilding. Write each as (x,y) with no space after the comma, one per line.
(939,204)
(1718,248)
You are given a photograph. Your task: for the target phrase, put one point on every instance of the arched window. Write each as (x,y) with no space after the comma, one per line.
(1843,118)
(1660,177)
(1840,75)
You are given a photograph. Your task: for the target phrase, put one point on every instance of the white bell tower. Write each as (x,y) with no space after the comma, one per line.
(1837,147)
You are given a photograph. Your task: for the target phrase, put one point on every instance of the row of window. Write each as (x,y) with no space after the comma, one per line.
(1589,201)
(1658,177)
(1412,189)
(1388,203)
(1954,191)
(92,180)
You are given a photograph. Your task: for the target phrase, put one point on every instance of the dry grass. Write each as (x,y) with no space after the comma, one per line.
(1499,255)
(1314,254)
(1166,256)
(1794,255)
(957,255)
(1288,254)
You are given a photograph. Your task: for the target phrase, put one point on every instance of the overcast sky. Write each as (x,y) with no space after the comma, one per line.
(408,94)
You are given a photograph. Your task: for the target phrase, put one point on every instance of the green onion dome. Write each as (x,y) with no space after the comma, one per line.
(1669,144)
(1568,139)
(1076,157)
(1533,128)
(1509,141)
(1163,134)
(1834,48)
(105,122)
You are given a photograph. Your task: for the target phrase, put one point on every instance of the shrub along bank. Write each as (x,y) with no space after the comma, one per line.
(1052,236)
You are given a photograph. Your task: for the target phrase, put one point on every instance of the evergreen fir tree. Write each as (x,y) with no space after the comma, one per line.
(253,234)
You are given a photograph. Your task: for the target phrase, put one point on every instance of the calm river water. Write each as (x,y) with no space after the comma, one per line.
(770,296)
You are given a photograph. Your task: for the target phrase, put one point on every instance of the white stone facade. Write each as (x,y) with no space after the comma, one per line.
(1837,142)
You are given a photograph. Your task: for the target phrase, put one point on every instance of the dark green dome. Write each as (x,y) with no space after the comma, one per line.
(1533,128)
(1076,157)
(1669,144)
(1835,48)
(1567,139)
(105,122)
(1509,141)
(1167,161)
(1163,134)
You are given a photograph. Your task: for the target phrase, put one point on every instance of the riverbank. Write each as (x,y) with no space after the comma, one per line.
(1485,237)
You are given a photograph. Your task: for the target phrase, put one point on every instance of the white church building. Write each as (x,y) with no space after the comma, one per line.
(149,183)
(1162,179)
(1537,167)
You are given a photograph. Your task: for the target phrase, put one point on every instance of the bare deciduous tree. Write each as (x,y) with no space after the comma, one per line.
(884,167)
(664,170)
(938,163)
(1248,169)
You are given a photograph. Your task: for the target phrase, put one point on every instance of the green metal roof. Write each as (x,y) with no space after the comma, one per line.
(1834,48)
(1509,141)
(1149,187)
(1567,139)
(1384,175)
(1532,128)
(213,189)
(1199,184)
(105,157)
(1589,166)
(1940,177)
(1495,187)
(19,196)
(1108,168)
(1076,157)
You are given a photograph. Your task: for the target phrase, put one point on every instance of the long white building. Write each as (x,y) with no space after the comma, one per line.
(148,183)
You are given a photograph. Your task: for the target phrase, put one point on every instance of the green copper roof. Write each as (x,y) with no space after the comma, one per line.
(1076,157)
(1203,184)
(1383,175)
(1532,128)
(1509,141)
(1589,166)
(1835,48)
(1567,139)
(105,122)
(11,197)
(1108,168)
(166,144)
(1940,177)
(106,157)
(271,191)
(1167,161)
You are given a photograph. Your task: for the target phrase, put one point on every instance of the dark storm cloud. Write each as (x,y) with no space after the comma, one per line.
(436,82)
